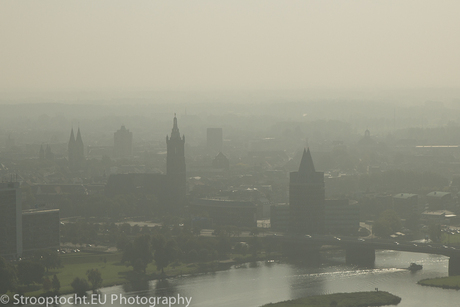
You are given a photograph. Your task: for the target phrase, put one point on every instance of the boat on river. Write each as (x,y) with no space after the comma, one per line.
(415,267)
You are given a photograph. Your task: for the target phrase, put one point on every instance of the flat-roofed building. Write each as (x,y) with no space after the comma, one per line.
(227,212)
(438,200)
(443,217)
(10,220)
(279,217)
(341,217)
(123,143)
(40,229)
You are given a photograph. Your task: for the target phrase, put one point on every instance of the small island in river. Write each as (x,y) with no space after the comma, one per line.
(451,282)
(355,299)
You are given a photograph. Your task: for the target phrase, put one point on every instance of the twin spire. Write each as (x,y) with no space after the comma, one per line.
(75,140)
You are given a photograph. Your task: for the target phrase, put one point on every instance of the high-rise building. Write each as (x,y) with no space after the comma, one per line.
(306,198)
(40,229)
(341,217)
(123,143)
(214,139)
(76,151)
(10,220)
(175,163)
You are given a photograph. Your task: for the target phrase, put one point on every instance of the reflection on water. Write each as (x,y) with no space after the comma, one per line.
(140,285)
(255,284)
(165,288)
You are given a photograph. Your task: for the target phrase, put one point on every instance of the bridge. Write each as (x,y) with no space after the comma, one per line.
(362,251)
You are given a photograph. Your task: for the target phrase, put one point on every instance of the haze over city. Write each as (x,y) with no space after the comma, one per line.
(228,45)
(230,153)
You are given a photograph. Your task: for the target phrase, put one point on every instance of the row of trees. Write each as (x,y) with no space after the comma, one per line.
(27,272)
(165,248)
(80,285)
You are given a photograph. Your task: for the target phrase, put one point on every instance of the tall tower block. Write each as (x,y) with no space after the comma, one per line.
(10,220)
(175,163)
(306,198)
(123,143)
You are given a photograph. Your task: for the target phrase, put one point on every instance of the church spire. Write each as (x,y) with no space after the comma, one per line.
(72,137)
(78,139)
(306,164)
(175,130)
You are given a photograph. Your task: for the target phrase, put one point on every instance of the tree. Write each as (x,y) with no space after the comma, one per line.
(95,278)
(387,224)
(138,253)
(435,232)
(30,272)
(165,252)
(224,246)
(80,286)
(254,246)
(50,259)
(7,276)
(55,284)
(46,284)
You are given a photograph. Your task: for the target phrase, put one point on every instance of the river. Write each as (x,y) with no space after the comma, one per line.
(253,285)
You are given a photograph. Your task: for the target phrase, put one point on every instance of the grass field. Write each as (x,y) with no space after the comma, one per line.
(452,282)
(76,265)
(112,271)
(356,299)
(450,239)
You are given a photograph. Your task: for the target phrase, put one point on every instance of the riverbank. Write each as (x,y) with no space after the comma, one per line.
(355,299)
(452,282)
(114,273)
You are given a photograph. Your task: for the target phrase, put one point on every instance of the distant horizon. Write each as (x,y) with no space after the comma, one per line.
(82,45)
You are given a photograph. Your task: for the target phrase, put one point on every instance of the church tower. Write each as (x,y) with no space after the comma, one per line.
(76,151)
(175,164)
(306,198)
(71,149)
(79,149)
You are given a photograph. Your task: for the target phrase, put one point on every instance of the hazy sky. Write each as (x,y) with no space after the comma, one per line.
(228,44)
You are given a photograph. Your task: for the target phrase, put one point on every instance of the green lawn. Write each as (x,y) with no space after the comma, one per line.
(357,299)
(76,265)
(449,239)
(112,271)
(452,282)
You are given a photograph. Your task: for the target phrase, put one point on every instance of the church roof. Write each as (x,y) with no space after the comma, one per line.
(78,139)
(72,137)
(306,164)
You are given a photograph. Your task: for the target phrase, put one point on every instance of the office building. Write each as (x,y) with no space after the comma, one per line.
(122,143)
(40,229)
(306,198)
(10,220)
(341,217)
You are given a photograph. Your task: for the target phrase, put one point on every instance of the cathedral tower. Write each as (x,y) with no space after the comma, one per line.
(175,163)
(306,198)
(76,151)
